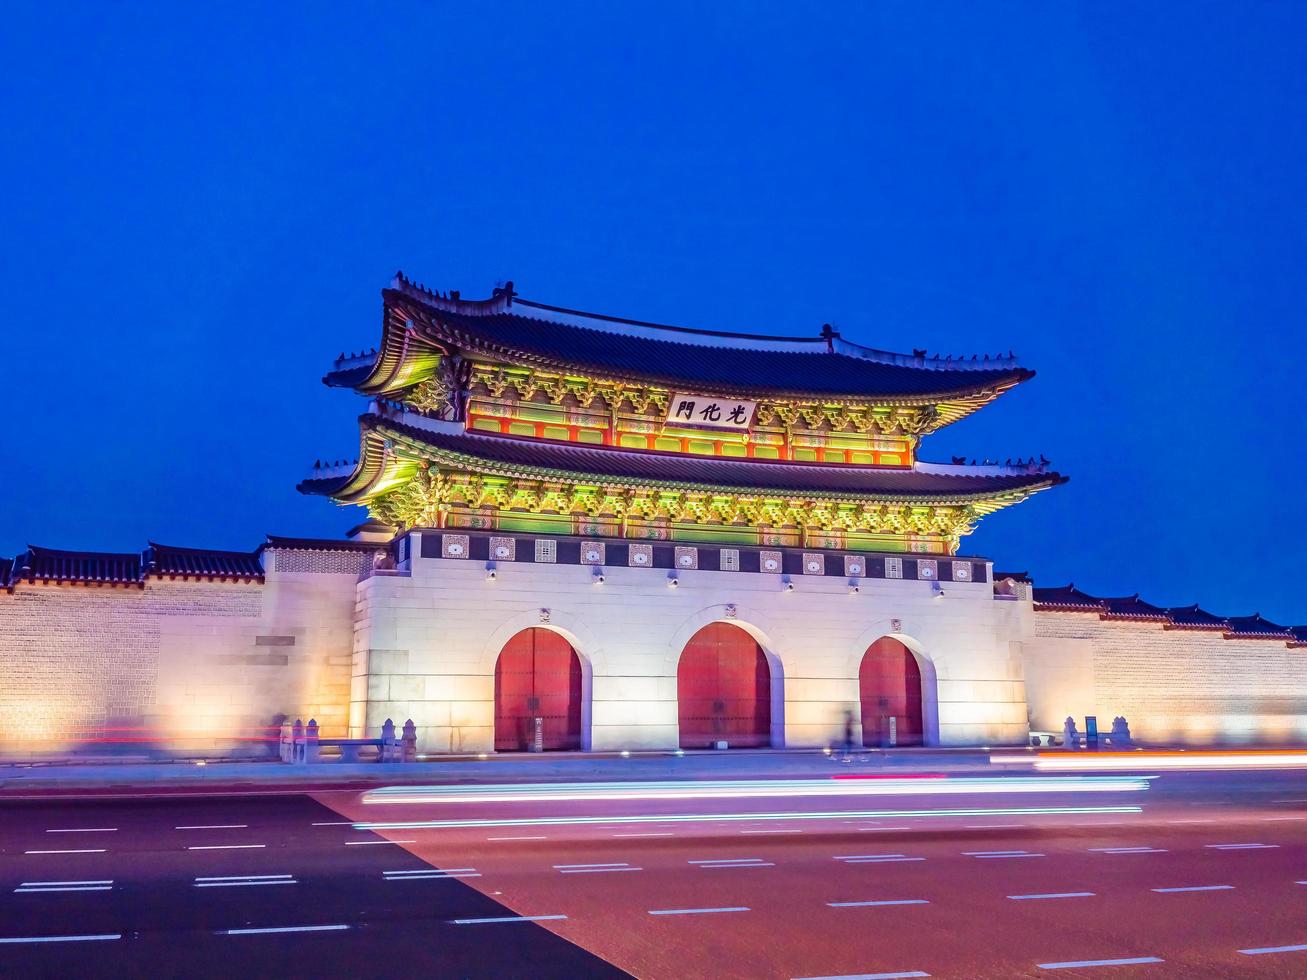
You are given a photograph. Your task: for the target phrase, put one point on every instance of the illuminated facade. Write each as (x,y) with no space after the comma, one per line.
(598,533)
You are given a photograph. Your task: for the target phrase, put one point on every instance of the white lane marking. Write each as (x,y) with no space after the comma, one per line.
(517,838)
(668,834)
(596,871)
(42,884)
(83,830)
(1080,964)
(883,860)
(428,871)
(886,901)
(1129,850)
(243,877)
(771,831)
(901,975)
(224,847)
(1279,819)
(60,939)
(997,855)
(883,828)
(260,932)
(610,864)
(242,884)
(214,826)
(427,876)
(351,843)
(333,823)
(1289,801)
(1273,949)
(1191,821)
(993,826)
(508,918)
(1194,888)
(22,890)
(728,908)
(724,861)
(1241,847)
(84,850)
(863,857)
(1026,898)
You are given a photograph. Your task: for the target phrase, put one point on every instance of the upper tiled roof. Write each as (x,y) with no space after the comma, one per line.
(1132,607)
(1257,626)
(744,365)
(507,455)
(1195,618)
(1066,598)
(164,560)
(51,565)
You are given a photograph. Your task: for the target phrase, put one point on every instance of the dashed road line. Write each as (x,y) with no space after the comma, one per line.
(994,826)
(878,902)
(1241,847)
(517,838)
(333,823)
(1083,964)
(1129,850)
(728,908)
(666,834)
(771,831)
(80,850)
(266,930)
(1027,898)
(507,918)
(1273,949)
(1193,888)
(900,975)
(425,874)
(60,939)
(215,826)
(353,843)
(241,881)
(578,869)
(36,887)
(998,855)
(82,830)
(225,847)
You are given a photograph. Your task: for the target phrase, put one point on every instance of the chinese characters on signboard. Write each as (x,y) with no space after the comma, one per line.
(709,412)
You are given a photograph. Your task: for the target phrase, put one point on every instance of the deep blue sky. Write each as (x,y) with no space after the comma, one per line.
(199,207)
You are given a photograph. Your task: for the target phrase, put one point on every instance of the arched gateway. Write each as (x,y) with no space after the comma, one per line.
(537,675)
(723,688)
(889,683)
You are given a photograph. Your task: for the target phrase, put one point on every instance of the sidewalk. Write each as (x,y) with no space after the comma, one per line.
(20,781)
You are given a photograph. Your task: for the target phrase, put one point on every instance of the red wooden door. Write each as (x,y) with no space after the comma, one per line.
(723,689)
(890,684)
(538,675)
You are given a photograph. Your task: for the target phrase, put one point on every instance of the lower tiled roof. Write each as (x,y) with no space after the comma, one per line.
(164,560)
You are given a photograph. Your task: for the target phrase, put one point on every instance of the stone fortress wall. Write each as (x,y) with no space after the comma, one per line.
(205,666)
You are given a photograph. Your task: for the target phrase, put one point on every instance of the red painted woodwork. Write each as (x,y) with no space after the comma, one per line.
(890,684)
(723,689)
(538,674)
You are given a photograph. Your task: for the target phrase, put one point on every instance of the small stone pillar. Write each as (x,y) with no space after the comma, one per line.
(297,741)
(409,742)
(286,746)
(1070,737)
(389,746)
(311,741)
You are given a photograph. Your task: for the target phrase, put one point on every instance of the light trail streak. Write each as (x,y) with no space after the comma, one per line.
(561,821)
(750,788)
(1154,761)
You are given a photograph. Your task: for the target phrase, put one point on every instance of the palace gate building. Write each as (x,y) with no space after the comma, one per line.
(591,532)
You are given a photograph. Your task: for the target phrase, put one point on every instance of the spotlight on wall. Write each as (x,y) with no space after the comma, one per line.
(854,588)
(490,571)
(938,590)
(789,586)
(673,582)
(599,578)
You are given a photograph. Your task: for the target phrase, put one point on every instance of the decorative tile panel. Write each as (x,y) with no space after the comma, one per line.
(927,568)
(546,550)
(640,556)
(503,549)
(730,560)
(813,563)
(855,566)
(687,558)
(769,561)
(893,567)
(592,552)
(454,545)
(962,571)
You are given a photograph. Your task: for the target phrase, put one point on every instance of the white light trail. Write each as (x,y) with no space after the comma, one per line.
(1155,761)
(561,821)
(751,788)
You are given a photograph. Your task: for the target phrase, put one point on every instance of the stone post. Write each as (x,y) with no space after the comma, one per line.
(409,742)
(297,739)
(287,743)
(389,745)
(311,741)
(1070,737)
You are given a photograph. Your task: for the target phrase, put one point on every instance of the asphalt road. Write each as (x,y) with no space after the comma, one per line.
(1196,876)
